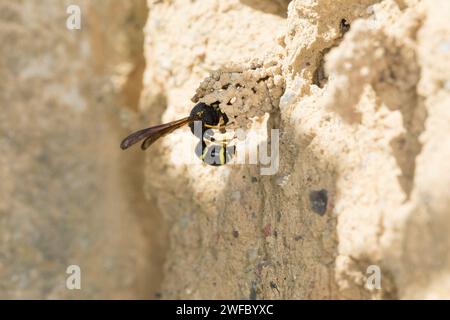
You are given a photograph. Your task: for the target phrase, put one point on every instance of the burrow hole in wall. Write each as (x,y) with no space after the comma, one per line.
(320,78)
(277,7)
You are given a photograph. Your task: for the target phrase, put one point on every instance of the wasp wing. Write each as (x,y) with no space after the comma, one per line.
(164,130)
(153,133)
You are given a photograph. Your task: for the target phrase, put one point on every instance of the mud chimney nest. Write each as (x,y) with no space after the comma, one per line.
(243,91)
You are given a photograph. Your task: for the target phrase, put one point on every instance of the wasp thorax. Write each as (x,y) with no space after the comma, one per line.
(209,115)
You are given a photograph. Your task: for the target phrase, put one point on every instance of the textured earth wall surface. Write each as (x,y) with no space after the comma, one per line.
(358,89)
(67,197)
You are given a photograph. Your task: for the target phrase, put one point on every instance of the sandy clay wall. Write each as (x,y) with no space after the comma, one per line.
(358,89)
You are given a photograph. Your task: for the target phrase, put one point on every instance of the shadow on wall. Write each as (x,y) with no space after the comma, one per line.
(140,208)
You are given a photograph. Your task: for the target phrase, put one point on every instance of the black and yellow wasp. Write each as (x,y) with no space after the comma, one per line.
(210,152)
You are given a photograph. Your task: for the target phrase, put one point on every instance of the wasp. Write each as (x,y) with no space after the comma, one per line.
(210,116)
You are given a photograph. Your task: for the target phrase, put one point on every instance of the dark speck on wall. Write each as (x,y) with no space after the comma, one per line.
(273,285)
(344,26)
(318,201)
